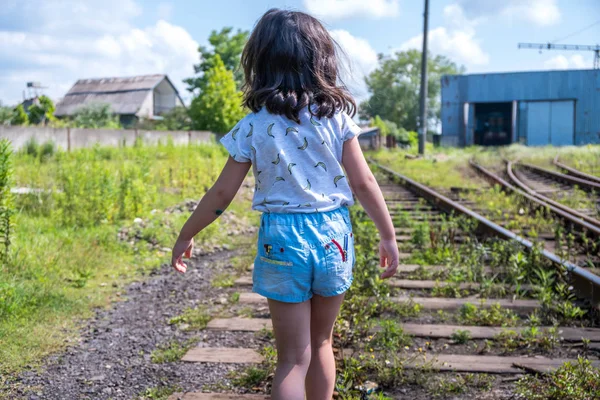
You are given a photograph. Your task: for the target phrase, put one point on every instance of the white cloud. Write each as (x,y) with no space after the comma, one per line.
(58,58)
(457,40)
(575,61)
(337,9)
(539,12)
(362,60)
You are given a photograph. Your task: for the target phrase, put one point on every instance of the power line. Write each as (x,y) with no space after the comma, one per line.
(577,32)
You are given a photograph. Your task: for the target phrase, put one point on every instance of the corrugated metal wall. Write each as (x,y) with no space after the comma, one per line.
(579,86)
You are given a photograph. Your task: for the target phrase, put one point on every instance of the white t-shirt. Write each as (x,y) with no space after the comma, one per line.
(297,167)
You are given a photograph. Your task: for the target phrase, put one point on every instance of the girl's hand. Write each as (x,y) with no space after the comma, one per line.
(388,257)
(182,248)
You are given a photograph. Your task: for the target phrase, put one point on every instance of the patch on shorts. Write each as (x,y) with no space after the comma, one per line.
(276,262)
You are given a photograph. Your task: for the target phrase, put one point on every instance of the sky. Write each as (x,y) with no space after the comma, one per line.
(56,42)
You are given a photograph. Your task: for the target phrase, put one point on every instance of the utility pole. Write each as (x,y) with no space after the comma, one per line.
(423,105)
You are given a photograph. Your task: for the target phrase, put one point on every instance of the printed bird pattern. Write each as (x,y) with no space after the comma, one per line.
(303,143)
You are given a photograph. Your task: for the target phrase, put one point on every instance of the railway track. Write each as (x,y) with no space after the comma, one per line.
(575,172)
(581,255)
(577,196)
(473,311)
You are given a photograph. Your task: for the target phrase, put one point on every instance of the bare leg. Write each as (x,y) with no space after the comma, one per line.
(320,379)
(291,325)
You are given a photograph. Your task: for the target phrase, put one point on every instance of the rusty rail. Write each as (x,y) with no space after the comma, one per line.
(575,172)
(586,284)
(581,226)
(583,184)
(553,203)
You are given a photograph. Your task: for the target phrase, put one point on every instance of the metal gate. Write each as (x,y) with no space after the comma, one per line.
(550,122)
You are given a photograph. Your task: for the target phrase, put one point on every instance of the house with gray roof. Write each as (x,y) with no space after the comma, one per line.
(131,98)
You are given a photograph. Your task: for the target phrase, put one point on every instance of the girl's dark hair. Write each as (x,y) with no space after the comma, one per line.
(289,63)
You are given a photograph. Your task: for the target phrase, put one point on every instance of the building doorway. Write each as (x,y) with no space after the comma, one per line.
(493,124)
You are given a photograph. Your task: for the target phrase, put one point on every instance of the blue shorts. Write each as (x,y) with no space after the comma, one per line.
(304,254)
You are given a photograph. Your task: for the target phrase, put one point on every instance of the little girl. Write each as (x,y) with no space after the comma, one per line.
(306,160)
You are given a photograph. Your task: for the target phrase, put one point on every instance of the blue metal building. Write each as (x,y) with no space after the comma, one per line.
(534,108)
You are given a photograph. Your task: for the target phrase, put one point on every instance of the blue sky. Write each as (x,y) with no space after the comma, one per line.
(57,42)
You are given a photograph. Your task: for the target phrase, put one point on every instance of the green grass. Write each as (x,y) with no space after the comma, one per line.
(223,280)
(453,163)
(66,253)
(192,319)
(171,352)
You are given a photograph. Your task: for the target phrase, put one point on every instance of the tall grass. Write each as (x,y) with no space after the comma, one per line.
(66,255)
(6,206)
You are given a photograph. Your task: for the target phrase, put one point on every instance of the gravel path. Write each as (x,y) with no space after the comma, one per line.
(112,360)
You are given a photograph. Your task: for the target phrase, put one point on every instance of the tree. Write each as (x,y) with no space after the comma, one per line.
(41,112)
(19,116)
(228,46)
(394,88)
(218,107)
(95,115)
(6,114)
(176,119)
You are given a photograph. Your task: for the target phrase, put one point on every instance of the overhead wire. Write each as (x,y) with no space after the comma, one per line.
(577,32)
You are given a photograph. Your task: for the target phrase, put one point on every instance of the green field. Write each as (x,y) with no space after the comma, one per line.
(66,257)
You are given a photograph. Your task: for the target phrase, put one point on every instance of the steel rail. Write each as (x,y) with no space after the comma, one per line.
(580,226)
(586,284)
(583,184)
(575,172)
(575,213)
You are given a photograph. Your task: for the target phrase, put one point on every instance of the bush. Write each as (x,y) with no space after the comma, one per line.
(19,116)
(95,115)
(43,112)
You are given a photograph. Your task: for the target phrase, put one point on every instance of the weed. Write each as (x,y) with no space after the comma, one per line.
(246,311)
(253,377)
(495,315)
(420,235)
(530,338)
(159,393)
(461,336)
(459,384)
(223,280)
(451,290)
(265,334)
(192,319)
(234,298)
(390,336)
(250,377)
(577,380)
(170,352)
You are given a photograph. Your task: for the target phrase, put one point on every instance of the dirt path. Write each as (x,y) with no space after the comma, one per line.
(113,358)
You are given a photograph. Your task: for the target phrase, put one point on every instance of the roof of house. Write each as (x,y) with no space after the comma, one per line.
(125,95)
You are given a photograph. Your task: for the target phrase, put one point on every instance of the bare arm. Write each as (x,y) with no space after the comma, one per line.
(367,191)
(212,204)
